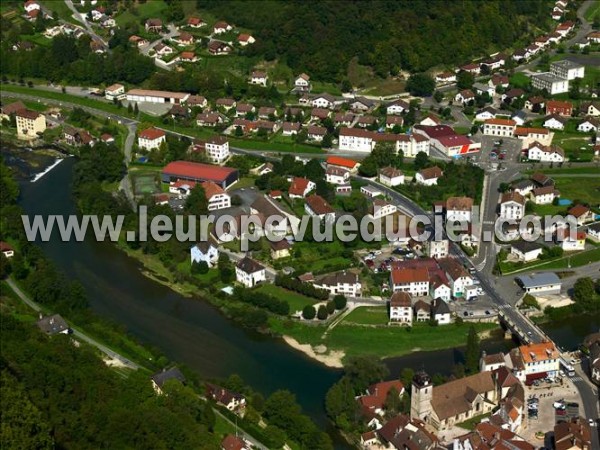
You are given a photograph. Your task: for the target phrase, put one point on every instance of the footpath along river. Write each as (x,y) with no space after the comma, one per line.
(191,331)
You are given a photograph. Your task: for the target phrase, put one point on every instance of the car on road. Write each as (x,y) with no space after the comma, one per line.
(529,333)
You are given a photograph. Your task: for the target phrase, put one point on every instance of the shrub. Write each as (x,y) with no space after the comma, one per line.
(322,313)
(330,307)
(340,301)
(309,312)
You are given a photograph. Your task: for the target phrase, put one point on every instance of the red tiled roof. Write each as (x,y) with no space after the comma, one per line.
(409,275)
(187,169)
(152,133)
(298,186)
(342,162)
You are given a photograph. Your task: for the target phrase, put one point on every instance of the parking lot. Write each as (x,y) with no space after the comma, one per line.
(496,149)
(547,404)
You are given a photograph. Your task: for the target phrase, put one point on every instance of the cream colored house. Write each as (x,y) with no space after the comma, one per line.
(30,124)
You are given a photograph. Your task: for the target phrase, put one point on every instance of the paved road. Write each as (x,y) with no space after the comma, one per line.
(78,334)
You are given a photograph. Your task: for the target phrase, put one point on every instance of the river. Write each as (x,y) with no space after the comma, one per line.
(191,331)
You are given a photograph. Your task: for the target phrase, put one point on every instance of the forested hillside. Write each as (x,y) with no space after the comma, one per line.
(320,37)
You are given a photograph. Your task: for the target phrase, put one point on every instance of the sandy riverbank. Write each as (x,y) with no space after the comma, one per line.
(333,358)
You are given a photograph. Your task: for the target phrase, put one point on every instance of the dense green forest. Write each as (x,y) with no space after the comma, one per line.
(321,37)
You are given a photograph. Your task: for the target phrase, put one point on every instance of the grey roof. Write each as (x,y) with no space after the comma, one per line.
(526,246)
(538,279)
(481,87)
(439,306)
(204,246)
(173,373)
(547,76)
(52,324)
(594,227)
(567,64)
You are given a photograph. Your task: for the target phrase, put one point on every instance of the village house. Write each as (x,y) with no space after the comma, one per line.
(6,249)
(543,153)
(512,94)
(430,120)
(153,25)
(243,109)
(138,41)
(317,206)
(224,397)
(401,311)
(589,124)
(440,312)
(551,83)
(362,104)
(166,375)
(232,442)
(196,22)
(30,124)
(221,27)
(343,163)
(319,114)
(445,77)
(162,49)
(531,135)
(592,230)
(535,103)
(267,125)
(290,128)
(472,68)
(370,191)
(323,101)
(464,97)
(337,175)
(555,122)
(437,248)
(458,276)
(397,107)
(590,108)
(492,436)
(115,91)
(459,209)
(422,311)
(574,434)
(343,119)
(77,137)
(495,62)
(249,272)
(429,176)
(302,83)
(340,283)
(259,77)
(266,112)
(483,88)
(489,112)
(512,206)
(245,39)
(544,195)
(568,242)
(184,39)
(390,176)
(544,283)
(300,187)
(206,251)
(280,249)
(6,111)
(218,48)
(188,57)
(216,196)
(413,280)
(53,324)
(381,208)
(209,119)
(526,251)
(316,133)
(562,108)
(225,103)
(263,169)
(582,213)
(151,138)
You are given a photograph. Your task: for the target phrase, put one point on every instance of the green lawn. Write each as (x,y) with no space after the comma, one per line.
(273,146)
(568,171)
(593,12)
(63,11)
(470,424)
(519,80)
(368,315)
(296,301)
(583,189)
(565,262)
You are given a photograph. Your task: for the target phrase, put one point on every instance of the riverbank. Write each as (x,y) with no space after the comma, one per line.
(331,358)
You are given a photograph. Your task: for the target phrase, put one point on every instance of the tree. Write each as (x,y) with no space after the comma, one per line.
(438,96)
(199,267)
(464,80)
(327,141)
(363,371)
(136,110)
(340,301)
(583,292)
(322,313)
(208,417)
(421,161)
(340,403)
(309,312)
(330,307)
(420,84)
(368,168)
(406,376)
(393,401)
(472,352)
(196,202)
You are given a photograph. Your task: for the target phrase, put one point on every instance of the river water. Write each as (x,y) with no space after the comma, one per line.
(193,332)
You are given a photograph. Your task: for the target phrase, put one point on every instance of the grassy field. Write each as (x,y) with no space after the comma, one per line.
(593,12)
(295,300)
(519,80)
(368,315)
(565,262)
(568,171)
(579,188)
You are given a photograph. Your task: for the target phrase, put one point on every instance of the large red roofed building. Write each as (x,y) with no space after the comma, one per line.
(151,138)
(338,161)
(198,172)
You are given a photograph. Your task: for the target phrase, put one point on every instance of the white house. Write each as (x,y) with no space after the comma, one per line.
(415,281)
(571,243)
(401,311)
(337,175)
(31,5)
(205,251)
(397,107)
(464,96)
(370,191)
(555,122)
(249,272)
(440,312)
(300,187)
(381,208)
(317,206)
(589,124)
(217,149)
(259,77)
(552,83)
(115,91)
(543,357)
(221,27)
(499,127)
(6,249)
(216,196)
(302,82)
(151,138)
(458,276)
(543,153)
(429,176)
(344,283)
(567,69)
(459,209)
(512,206)
(354,139)
(592,230)
(540,283)
(323,101)
(526,251)
(544,195)
(390,176)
